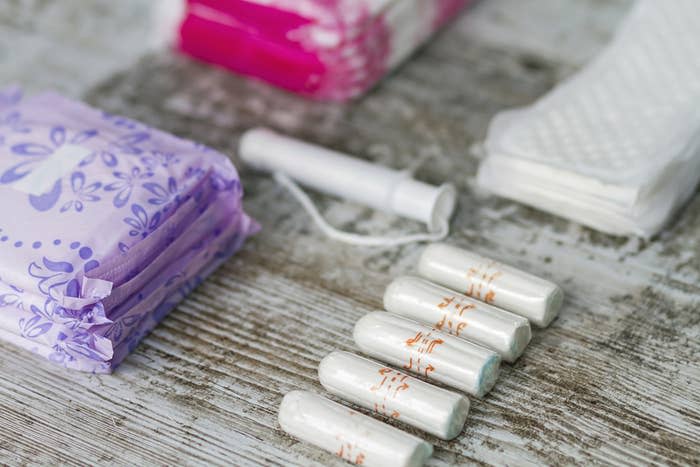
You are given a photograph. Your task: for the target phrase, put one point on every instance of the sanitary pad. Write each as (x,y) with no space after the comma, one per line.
(616,146)
(105,224)
(325,49)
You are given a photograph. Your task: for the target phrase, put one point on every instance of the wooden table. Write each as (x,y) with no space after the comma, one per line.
(615,380)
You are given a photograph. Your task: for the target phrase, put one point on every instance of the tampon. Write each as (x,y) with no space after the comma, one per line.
(348,177)
(456,314)
(349,434)
(497,284)
(428,352)
(394,394)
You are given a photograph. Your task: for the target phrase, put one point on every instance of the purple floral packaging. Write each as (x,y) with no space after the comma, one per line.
(105,225)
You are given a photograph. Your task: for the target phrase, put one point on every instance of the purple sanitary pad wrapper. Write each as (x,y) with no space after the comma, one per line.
(105,225)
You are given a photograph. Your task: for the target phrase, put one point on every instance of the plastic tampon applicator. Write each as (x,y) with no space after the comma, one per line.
(459,315)
(349,434)
(497,284)
(394,394)
(428,352)
(335,173)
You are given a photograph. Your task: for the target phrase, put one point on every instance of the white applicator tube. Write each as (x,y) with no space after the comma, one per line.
(348,177)
(498,284)
(428,352)
(394,394)
(456,314)
(349,434)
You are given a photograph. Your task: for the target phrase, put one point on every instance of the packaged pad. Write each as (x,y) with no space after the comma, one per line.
(324,49)
(105,224)
(616,146)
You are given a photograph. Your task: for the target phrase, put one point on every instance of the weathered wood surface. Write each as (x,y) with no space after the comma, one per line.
(615,380)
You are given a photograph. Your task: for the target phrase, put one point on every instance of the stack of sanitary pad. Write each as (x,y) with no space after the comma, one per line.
(617,146)
(105,225)
(325,49)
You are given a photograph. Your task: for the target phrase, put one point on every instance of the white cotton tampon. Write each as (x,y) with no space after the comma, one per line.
(458,315)
(394,394)
(348,177)
(494,283)
(349,434)
(428,352)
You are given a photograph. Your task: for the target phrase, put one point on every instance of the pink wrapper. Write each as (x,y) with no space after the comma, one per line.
(323,49)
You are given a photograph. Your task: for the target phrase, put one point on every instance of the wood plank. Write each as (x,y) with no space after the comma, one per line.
(613,381)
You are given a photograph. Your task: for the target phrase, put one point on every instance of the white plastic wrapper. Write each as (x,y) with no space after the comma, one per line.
(616,146)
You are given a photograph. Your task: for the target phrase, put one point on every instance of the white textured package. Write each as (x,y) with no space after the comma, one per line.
(616,146)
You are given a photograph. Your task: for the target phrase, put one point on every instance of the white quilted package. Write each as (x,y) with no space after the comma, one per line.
(616,146)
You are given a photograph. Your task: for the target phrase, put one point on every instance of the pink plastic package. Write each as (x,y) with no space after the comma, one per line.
(323,49)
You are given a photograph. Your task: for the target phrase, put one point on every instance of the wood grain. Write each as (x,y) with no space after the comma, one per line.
(614,380)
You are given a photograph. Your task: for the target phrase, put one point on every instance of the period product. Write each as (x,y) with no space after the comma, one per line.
(459,315)
(323,49)
(428,352)
(348,434)
(106,225)
(291,161)
(491,282)
(616,146)
(393,394)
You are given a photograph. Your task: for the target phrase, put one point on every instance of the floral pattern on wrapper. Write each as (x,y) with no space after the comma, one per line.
(61,248)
